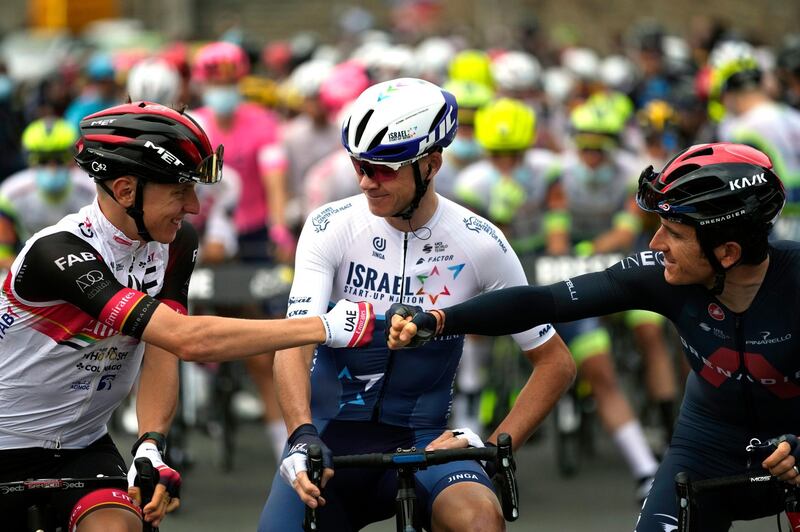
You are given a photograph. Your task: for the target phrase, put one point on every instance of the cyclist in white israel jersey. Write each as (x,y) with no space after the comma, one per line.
(397,241)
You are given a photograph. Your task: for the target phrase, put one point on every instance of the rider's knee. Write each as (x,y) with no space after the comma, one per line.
(109,510)
(472,514)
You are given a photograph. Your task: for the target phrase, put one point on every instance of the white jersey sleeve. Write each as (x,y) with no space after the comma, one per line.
(319,252)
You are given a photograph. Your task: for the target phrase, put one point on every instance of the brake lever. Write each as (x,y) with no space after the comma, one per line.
(506,470)
(315,476)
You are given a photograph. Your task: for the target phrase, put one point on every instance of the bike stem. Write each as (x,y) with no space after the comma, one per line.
(406,498)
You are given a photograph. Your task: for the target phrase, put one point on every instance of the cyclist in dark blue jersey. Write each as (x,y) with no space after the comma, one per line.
(731,294)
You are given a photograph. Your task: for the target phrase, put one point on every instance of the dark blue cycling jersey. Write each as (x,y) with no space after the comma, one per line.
(745,379)
(410,388)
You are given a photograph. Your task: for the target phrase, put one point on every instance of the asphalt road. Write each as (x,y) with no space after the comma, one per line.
(599,499)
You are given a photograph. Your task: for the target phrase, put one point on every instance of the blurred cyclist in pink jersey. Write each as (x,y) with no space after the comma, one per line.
(250,134)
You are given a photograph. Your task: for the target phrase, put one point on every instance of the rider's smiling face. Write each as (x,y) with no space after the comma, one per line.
(165,207)
(385,198)
(684,260)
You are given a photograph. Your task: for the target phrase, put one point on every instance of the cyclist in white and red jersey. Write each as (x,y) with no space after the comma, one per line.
(102,293)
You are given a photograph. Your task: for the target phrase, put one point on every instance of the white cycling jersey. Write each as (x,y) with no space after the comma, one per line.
(347,252)
(34,210)
(72,310)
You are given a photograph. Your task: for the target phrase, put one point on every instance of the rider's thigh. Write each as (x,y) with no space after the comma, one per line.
(660,510)
(467,506)
(101,458)
(434,482)
(283,511)
(354,498)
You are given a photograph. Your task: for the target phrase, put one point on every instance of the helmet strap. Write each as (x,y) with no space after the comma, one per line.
(136,210)
(719,269)
(420,187)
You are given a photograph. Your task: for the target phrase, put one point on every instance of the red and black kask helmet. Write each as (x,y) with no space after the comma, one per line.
(149,141)
(710,184)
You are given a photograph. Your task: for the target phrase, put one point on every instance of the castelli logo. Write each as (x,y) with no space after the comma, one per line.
(716,312)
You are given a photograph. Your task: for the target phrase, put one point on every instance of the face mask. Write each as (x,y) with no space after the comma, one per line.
(520,174)
(6,88)
(465,149)
(222,100)
(601,175)
(52,180)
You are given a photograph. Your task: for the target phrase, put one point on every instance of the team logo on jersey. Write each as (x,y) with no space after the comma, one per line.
(443,291)
(321,220)
(716,312)
(379,246)
(86,228)
(474,223)
(68,260)
(105,381)
(7,319)
(368,380)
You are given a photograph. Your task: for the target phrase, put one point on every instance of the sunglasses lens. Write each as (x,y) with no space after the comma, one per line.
(378,172)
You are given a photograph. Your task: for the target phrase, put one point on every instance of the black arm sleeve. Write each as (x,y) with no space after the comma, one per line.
(182,257)
(62,266)
(624,286)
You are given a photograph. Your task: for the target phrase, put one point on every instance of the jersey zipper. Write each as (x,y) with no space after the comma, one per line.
(747,392)
(376,411)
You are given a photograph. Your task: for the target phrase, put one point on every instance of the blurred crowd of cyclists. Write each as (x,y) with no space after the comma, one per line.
(550,145)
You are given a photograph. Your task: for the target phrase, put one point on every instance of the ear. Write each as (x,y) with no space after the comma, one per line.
(124,189)
(434,164)
(728,254)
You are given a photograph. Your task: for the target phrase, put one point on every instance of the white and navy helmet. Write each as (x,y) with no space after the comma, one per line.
(400,120)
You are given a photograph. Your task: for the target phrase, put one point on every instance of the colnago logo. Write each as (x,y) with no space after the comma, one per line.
(744,182)
(165,155)
(438,133)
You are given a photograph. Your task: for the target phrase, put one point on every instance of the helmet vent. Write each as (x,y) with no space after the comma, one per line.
(699,153)
(378,138)
(391,152)
(362,126)
(438,117)
(682,171)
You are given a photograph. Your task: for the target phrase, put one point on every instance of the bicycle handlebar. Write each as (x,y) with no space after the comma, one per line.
(505,479)
(146,479)
(415,458)
(735,481)
(39,485)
